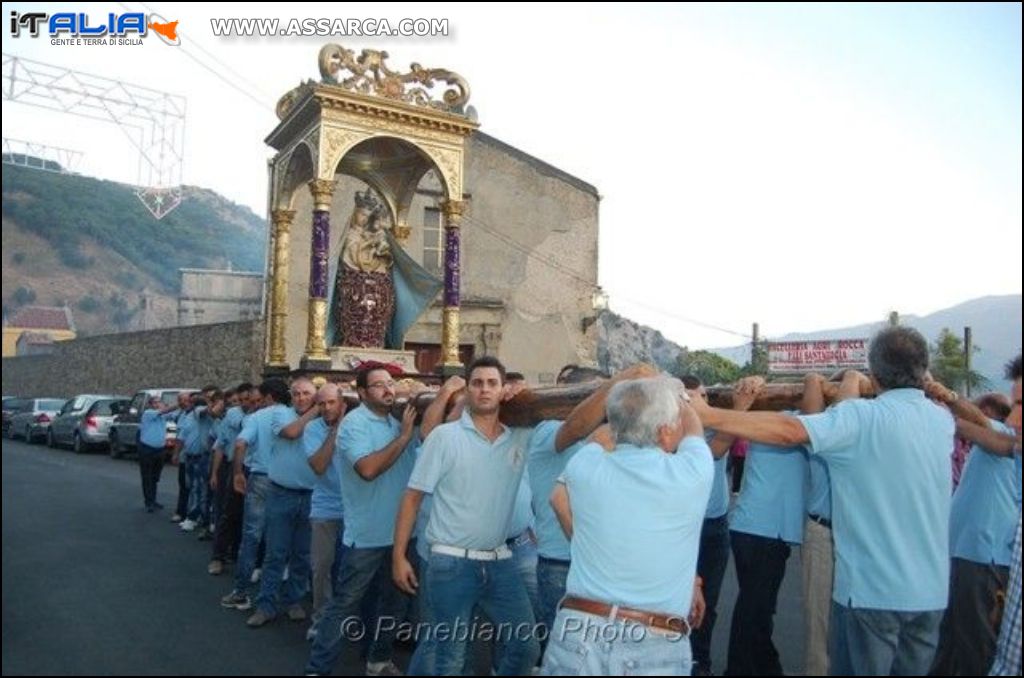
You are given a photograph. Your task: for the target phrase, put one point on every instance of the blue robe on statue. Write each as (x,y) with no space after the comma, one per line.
(414,288)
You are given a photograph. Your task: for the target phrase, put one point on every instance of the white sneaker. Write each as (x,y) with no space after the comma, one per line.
(187,525)
(256,573)
(284,577)
(387,668)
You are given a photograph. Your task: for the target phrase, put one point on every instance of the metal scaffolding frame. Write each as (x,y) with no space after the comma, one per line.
(153,121)
(41,156)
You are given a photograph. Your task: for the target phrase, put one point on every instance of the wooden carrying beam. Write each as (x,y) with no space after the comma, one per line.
(533,406)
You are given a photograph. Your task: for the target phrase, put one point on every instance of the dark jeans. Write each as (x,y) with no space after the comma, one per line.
(151,463)
(711,564)
(360,570)
(760,566)
(967,637)
(228,535)
(182,508)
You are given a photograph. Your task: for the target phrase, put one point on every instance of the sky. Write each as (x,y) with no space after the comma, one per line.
(799,166)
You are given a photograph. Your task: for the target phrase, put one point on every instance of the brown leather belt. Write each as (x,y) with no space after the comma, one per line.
(654,620)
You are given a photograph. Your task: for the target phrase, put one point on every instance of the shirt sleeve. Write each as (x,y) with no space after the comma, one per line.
(834,429)
(354,439)
(249,429)
(314,436)
(431,462)
(281,417)
(543,439)
(580,460)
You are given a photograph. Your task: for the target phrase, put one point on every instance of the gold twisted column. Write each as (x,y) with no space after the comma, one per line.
(316,325)
(452,210)
(282,223)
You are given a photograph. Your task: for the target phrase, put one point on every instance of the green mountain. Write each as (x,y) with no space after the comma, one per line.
(76,214)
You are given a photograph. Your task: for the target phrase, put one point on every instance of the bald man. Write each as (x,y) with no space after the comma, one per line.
(288,503)
(326,512)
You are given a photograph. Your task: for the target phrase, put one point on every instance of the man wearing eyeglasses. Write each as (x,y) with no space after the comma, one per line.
(377,461)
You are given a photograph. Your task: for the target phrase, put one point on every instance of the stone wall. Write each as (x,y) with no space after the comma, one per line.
(223,354)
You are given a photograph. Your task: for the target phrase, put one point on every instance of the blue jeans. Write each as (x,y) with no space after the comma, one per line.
(524,554)
(712,562)
(455,586)
(424,659)
(882,642)
(288,543)
(341,620)
(587,645)
(254,523)
(551,576)
(197,468)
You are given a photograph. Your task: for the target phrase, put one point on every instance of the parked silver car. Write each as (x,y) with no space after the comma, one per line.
(32,419)
(84,422)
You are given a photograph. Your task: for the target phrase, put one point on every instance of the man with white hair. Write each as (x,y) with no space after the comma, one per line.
(634,519)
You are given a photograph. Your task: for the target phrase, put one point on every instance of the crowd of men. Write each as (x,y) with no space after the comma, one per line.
(597,545)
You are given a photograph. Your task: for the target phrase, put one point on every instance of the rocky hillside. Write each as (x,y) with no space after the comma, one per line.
(622,342)
(92,245)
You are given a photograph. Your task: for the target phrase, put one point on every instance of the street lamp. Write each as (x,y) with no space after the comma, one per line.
(599,304)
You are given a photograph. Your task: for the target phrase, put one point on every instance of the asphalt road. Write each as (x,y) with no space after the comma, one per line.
(92,584)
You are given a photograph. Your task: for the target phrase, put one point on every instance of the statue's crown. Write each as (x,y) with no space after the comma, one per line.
(367,200)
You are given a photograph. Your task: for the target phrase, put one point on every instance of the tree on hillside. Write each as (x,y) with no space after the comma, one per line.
(709,367)
(948,364)
(24,295)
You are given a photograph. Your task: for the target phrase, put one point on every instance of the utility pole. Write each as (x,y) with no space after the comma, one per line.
(968,349)
(755,356)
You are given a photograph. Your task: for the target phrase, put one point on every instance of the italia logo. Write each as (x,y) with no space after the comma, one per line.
(81,25)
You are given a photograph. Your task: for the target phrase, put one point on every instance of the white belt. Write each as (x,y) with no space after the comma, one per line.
(503,552)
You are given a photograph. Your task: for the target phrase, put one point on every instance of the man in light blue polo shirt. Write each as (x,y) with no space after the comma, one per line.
(816,552)
(377,460)
(1007,660)
(472,467)
(194,431)
(253,448)
(228,534)
(326,510)
(889,460)
(552,445)
(288,532)
(766,521)
(152,438)
(714,535)
(634,518)
(982,527)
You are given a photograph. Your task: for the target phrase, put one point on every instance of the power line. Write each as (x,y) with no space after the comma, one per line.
(229,83)
(214,57)
(544,259)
